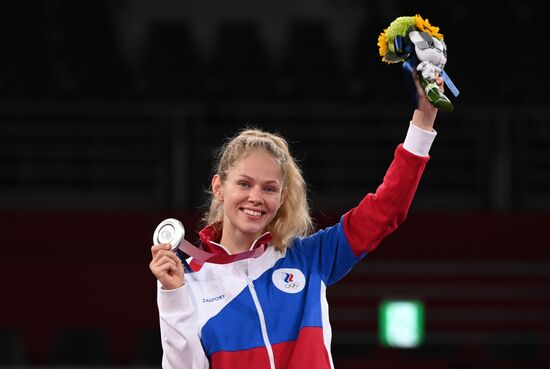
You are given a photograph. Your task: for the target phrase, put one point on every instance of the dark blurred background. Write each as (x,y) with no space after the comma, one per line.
(110,112)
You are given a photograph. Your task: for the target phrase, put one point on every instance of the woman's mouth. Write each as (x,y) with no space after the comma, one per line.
(253,213)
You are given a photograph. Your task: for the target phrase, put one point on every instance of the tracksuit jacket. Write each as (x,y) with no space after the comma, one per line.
(271,311)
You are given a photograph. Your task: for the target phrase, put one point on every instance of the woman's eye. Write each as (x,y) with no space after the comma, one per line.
(243,184)
(270,189)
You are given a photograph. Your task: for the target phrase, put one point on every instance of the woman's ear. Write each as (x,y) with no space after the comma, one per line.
(217,187)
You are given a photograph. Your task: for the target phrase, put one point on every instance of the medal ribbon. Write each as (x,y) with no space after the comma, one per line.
(201,256)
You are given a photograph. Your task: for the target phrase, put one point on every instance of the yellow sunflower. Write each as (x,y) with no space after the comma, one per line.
(423,25)
(383,43)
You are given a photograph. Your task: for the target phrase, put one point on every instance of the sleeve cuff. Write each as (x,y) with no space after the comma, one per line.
(418,141)
(174,301)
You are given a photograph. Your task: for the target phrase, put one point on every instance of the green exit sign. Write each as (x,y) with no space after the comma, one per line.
(401,323)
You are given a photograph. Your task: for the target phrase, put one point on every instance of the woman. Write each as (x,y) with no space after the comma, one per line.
(270,311)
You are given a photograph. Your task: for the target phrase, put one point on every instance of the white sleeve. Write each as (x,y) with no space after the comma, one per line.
(418,141)
(181,344)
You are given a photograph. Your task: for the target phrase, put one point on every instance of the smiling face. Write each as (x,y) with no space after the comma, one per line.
(251,194)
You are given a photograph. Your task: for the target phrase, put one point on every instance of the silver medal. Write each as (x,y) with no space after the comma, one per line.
(169,231)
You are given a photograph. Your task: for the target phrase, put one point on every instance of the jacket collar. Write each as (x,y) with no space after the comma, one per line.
(211,235)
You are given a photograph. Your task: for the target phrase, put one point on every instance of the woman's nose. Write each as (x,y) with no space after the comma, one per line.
(255,195)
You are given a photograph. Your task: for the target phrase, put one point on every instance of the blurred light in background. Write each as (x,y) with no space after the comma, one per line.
(401,323)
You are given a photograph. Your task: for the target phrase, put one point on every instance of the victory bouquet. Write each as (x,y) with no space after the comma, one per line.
(417,44)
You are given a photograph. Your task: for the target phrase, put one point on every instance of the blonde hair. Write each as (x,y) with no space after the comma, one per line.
(293,217)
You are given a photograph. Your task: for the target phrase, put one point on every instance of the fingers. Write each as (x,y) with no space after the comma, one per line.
(417,84)
(166,266)
(164,260)
(156,248)
(163,252)
(440,82)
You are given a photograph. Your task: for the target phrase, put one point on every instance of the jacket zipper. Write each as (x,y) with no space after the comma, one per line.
(263,326)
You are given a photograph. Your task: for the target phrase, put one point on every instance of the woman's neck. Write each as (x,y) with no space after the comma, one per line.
(237,243)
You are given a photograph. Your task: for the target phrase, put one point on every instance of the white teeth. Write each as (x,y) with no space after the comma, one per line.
(252,212)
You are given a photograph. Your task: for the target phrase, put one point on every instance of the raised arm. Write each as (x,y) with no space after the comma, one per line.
(381,212)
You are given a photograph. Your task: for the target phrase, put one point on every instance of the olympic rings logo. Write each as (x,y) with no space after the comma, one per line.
(292,285)
(289,280)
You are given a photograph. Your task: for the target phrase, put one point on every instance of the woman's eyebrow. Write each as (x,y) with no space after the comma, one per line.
(269,181)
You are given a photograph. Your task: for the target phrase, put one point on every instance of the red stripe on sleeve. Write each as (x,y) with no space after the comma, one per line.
(380,213)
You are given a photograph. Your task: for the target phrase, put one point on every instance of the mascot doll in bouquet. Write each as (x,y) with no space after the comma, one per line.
(417,44)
